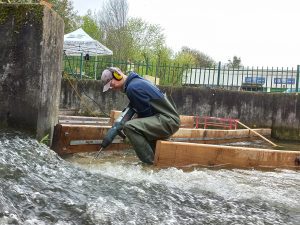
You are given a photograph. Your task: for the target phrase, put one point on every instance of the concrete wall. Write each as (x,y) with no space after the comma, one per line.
(31,42)
(281,112)
(86,98)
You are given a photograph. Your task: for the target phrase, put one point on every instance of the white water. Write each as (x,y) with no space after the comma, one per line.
(38,187)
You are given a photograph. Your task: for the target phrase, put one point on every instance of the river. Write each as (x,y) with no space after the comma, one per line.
(39,187)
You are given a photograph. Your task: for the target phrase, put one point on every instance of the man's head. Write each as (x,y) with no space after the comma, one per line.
(113,78)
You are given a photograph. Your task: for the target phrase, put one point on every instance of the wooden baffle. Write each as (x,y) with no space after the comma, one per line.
(216,135)
(75,134)
(70,138)
(178,154)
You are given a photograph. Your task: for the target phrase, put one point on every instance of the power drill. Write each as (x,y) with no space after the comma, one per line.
(117,127)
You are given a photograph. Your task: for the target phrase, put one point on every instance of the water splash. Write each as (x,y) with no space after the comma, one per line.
(38,187)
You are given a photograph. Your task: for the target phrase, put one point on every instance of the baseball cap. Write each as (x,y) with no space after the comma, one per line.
(106,77)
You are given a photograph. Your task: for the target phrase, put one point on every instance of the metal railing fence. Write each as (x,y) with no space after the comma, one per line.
(266,79)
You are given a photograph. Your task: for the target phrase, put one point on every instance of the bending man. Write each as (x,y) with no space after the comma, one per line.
(157,117)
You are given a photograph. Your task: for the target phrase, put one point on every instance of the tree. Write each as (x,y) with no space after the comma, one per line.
(185,58)
(113,21)
(192,56)
(66,10)
(235,63)
(148,41)
(114,14)
(164,54)
(90,26)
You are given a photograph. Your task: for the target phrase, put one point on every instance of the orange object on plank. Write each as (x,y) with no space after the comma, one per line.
(114,114)
(187,121)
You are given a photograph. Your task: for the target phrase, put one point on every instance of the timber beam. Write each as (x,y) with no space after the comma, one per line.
(69,138)
(179,154)
(87,137)
(192,135)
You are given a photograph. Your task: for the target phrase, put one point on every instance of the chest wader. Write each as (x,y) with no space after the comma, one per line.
(144,132)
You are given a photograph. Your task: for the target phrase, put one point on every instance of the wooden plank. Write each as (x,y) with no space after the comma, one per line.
(272,143)
(79,122)
(209,134)
(178,154)
(82,118)
(64,134)
(62,119)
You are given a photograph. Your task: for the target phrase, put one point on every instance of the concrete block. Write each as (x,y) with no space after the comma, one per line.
(30,67)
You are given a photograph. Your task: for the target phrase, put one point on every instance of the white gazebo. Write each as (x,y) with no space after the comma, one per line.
(79,43)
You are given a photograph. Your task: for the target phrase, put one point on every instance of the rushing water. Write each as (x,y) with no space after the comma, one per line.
(38,187)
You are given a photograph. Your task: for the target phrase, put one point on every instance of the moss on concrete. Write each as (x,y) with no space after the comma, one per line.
(21,14)
(284,133)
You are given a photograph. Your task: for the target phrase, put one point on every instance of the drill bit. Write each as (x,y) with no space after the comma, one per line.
(98,153)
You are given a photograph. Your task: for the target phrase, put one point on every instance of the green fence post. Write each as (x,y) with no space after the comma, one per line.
(297,79)
(156,70)
(81,65)
(95,67)
(147,65)
(219,73)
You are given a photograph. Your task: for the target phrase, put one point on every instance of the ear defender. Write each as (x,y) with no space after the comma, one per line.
(115,74)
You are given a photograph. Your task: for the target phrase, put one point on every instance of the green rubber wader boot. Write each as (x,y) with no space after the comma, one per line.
(140,144)
(144,132)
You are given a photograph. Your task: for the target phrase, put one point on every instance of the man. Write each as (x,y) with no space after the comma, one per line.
(156,118)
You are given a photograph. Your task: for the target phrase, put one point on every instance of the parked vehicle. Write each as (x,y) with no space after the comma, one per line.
(291,90)
(251,87)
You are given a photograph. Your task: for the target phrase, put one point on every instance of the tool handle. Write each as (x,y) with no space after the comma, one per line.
(258,134)
(116,128)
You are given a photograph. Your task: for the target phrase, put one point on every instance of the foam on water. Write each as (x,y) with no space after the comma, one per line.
(281,186)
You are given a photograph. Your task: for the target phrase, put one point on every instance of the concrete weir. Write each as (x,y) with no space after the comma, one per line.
(31,46)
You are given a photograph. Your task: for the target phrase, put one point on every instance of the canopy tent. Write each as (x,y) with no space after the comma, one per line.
(78,42)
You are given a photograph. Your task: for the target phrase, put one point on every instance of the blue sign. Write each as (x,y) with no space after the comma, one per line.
(284,80)
(255,80)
